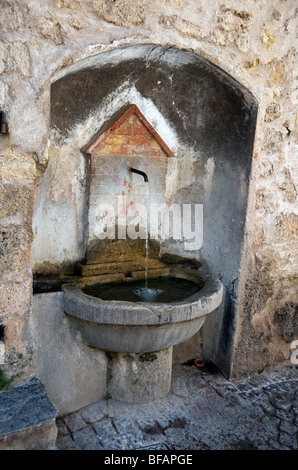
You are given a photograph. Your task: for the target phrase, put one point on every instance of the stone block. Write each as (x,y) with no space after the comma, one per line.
(15,198)
(27,418)
(15,57)
(231,26)
(73,373)
(14,247)
(121,13)
(13,164)
(51,29)
(184,27)
(277,73)
(12,17)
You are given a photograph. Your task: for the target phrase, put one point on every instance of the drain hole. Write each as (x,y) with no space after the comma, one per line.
(43,286)
(2,332)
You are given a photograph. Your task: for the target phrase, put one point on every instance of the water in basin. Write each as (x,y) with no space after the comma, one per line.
(162,289)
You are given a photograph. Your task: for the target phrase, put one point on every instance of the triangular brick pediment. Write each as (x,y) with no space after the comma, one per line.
(127,133)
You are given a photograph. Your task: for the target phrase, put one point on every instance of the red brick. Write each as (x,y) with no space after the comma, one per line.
(126,128)
(139,128)
(149,151)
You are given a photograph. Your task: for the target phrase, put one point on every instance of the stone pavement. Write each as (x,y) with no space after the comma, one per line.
(202,411)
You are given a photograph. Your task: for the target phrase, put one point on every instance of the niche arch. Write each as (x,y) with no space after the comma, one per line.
(210,119)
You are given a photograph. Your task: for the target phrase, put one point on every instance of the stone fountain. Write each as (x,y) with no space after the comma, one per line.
(140,335)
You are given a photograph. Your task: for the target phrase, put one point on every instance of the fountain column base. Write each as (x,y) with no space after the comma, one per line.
(140,378)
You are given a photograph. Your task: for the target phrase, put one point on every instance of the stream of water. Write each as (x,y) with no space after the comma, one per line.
(147,235)
(166,289)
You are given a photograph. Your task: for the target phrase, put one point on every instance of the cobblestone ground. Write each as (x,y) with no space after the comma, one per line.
(202,411)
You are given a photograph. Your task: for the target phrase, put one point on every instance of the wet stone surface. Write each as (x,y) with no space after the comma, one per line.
(203,411)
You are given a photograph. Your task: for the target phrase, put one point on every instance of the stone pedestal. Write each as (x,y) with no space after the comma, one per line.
(140,378)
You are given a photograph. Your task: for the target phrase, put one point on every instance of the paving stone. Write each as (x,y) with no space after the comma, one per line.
(165,421)
(174,437)
(216,416)
(281,403)
(267,407)
(66,443)
(74,422)
(86,439)
(256,381)
(267,429)
(288,428)
(288,373)
(270,421)
(92,413)
(104,428)
(62,428)
(246,444)
(226,390)
(256,411)
(124,426)
(270,390)
(275,445)
(284,415)
(154,430)
(123,442)
(287,386)
(148,425)
(129,441)
(158,446)
(289,441)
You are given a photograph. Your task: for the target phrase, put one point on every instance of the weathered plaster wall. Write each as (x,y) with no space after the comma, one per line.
(256,45)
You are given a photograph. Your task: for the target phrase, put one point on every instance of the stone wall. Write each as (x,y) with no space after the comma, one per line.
(256,46)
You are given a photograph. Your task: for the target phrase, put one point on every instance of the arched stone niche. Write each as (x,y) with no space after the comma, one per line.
(208,121)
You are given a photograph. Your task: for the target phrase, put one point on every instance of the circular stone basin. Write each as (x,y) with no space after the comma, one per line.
(142,326)
(161,289)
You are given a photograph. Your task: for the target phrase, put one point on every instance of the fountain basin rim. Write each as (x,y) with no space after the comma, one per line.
(116,312)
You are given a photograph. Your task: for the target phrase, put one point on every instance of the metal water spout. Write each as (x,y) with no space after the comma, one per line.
(139,172)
